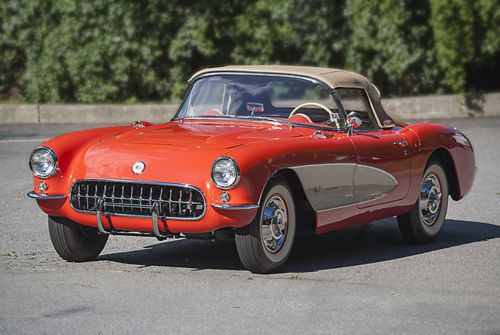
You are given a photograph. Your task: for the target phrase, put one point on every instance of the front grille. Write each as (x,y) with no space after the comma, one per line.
(125,198)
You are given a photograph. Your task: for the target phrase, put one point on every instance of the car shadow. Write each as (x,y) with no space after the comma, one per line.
(376,242)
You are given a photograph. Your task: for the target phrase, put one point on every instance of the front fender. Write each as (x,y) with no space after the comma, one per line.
(68,148)
(258,162)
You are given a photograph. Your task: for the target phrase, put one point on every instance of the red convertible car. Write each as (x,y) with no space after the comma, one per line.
(254,153)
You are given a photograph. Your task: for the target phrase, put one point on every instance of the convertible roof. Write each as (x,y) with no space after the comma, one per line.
(333,77)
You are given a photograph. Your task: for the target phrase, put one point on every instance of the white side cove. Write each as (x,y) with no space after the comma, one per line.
(336,185)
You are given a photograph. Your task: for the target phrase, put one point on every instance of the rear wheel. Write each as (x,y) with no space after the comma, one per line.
(267,242)
(425,220)
(74,242)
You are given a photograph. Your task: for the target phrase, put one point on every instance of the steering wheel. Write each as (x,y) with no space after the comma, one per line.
(332,117)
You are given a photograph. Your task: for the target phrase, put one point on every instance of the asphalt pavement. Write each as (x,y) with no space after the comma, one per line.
(361,280)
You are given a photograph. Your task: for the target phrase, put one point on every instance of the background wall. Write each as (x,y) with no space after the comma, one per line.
(409,108)
(130,51)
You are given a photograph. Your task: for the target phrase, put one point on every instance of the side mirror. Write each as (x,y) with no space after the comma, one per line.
(353,122)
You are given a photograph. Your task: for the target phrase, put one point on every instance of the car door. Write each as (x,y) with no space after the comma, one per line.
(382,173)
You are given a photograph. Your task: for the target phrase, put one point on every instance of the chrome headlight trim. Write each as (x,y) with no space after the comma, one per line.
(236,168)
(54,158)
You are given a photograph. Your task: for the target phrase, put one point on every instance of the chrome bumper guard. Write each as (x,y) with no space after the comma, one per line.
(155,216)
(43,196)
(235,208)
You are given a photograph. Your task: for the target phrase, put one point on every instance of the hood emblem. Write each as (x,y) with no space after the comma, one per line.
(138,167)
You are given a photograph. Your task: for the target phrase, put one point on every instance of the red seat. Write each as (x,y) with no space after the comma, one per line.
(300,118)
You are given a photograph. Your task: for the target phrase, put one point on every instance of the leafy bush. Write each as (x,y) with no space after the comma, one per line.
(128,51)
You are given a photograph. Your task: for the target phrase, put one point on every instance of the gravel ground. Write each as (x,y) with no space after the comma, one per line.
(363,280)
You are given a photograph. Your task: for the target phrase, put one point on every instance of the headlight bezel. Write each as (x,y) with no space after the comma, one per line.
(237,172)
(54,158)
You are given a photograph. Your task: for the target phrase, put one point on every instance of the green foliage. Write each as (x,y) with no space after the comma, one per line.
(90,51)
(108,50)
(203,38)
(391,43)
(453,27)
(306,32)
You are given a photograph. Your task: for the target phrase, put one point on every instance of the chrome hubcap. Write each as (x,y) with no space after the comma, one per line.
(274,226)
(430,199)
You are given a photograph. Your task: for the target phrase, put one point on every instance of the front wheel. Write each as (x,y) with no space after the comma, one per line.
(74,242)
(267,242)
(424,221)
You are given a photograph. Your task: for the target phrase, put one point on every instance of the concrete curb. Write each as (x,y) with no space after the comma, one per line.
(414,108)
(439,107)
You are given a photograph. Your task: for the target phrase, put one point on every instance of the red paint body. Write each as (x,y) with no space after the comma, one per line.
(183,152)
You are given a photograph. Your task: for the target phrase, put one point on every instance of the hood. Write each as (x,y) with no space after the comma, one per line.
(178,149)
(201,134)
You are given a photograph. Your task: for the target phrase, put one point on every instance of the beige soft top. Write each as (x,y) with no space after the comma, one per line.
(335,78)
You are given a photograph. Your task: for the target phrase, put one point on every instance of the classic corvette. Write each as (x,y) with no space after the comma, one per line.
(255,154)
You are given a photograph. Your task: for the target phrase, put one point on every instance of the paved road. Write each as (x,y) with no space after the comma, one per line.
(363,280)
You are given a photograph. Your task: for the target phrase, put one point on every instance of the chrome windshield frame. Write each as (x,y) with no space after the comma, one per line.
(331,91)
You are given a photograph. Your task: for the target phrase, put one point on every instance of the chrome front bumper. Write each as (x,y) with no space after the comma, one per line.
(235,208)
(37,196)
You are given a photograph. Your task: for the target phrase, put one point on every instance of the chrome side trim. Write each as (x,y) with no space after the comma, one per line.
(335,185)
(147,183)
(34,195)
(372,183)
(236,208)
(327,185)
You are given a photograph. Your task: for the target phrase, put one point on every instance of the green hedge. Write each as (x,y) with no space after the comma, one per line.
(127,51)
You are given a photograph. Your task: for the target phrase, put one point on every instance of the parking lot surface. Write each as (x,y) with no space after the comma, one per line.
(362,280)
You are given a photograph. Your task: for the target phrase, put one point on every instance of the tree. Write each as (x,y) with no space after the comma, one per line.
(115,51)
(391,43)
(291,32)
(452,23)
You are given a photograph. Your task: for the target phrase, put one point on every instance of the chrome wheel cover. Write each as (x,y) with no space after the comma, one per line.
(430,199)
(274,224)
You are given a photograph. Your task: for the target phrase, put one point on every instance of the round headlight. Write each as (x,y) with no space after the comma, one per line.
(225,173)
(43,162)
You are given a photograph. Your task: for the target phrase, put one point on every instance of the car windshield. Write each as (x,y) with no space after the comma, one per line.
(260,96)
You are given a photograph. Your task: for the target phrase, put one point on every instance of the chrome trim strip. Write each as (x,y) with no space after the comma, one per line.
(373,109)
(335,185)
(34,195)
(146,183)
(239,118)
(55,162)
(236,208)
(261,120)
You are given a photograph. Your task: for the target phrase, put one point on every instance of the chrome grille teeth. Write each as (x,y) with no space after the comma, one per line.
(137,199)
